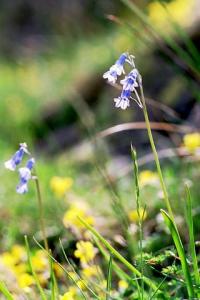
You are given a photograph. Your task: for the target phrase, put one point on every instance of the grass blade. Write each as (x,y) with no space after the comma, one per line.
(117,254)
(140,217)
(109,278)
(179,247)
(5,291)
(42,294)
(120,273)
(53,283)
(191,237)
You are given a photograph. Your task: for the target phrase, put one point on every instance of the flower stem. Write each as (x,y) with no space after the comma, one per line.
(162,183)
(40,205)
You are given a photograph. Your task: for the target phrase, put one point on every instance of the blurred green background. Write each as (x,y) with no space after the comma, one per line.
(53,97)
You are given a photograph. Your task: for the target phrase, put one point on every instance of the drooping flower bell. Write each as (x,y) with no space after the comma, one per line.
(16,159)
(130,81)
(116,70)
(123,100)
(25,176)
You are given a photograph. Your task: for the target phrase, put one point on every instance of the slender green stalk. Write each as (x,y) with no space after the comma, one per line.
(109,278)
(120,273)
(5,291)
(165,194)
(42,294)
(140,217)
(191,238)
(41,212)
(179,247)
(152,296)
(117,254)
(53,282)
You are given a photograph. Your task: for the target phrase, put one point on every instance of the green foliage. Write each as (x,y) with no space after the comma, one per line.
(179,246)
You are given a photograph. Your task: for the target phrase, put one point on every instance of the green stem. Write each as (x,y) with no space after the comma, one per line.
(40,205)
(179,247)
(162,183)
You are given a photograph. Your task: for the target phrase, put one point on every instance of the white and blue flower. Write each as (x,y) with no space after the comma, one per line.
(25,176)
(130,81)
(16,159)
(123,101)
(117,69)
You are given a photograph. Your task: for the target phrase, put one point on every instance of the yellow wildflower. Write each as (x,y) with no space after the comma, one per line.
(85,251)
(122,284)
(8,259)
(192,141)
(147,177)
(133,214)
(91,271)
(179,10)
(19,253)
(70,295)
(40,261)
(15,256)
(60,185)
(25,280)
(71,217)
(20,268)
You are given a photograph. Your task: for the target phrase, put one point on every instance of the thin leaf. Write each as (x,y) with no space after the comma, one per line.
(157,291)
(42,294)
(53,283)
(191,237)
(117,254)
(120,273)
(179,247)
(5,291)
(109,278)
(140,218)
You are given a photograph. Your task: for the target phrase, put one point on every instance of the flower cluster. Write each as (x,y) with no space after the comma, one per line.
(16,261)
(25,172)
(129,83)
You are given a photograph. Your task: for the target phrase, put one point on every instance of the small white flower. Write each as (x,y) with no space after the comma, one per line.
(129,82)
(111,76)
(25,174)
(116,70)
(122,103)
(10,165)
(22,188)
